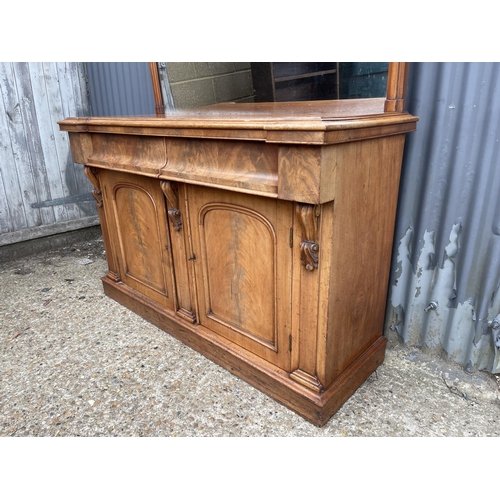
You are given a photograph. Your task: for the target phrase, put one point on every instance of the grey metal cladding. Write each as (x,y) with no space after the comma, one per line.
(447,238)
(120,88)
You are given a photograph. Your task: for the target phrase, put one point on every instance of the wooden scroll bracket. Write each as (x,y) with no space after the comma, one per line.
(183,300)
(309,246)
(170,191)
(91,173)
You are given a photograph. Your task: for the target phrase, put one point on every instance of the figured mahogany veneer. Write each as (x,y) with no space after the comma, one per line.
(258,234)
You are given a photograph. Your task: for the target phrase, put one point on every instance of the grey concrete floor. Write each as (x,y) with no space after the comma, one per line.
(75,363)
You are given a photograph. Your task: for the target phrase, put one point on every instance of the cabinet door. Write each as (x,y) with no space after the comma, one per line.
(136,215)
(243,269)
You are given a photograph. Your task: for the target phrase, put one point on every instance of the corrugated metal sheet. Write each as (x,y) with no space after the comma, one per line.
(447,240)
(37,175)
(120,88)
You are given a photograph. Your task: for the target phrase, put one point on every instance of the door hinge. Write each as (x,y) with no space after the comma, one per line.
(291,237)
(290,343)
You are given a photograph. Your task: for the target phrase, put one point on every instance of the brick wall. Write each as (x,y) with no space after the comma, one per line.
(196,84)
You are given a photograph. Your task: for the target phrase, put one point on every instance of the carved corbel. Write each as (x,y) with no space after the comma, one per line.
(91,173)
(170,191)
(309,246)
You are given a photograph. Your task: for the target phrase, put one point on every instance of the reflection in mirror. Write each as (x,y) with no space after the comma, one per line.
(194,85)
(363,80)
(311,81)
(295,81)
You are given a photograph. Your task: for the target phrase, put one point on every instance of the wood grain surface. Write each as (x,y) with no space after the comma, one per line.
(266,245)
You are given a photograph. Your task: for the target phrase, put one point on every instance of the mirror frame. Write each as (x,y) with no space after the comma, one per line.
(397,78)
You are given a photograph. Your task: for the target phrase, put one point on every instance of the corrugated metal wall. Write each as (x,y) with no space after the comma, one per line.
(120,88)
(40,187)
(447,240)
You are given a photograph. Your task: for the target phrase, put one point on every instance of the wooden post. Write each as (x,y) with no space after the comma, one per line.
(396,87)
(155,80)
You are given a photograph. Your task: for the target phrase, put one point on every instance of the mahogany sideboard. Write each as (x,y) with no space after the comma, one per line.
(258,234)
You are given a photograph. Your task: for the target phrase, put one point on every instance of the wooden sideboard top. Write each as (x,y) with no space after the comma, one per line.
(290,151)
(310,122)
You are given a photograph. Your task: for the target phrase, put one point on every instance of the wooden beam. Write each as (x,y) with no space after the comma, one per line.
(31,233)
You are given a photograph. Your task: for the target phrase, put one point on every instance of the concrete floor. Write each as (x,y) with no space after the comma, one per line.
(75,363)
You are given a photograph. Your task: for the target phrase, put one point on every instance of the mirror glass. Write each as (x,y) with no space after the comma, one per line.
(311,81)
(193,85)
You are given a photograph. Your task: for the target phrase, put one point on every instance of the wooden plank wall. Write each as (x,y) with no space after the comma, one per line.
(35,160)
